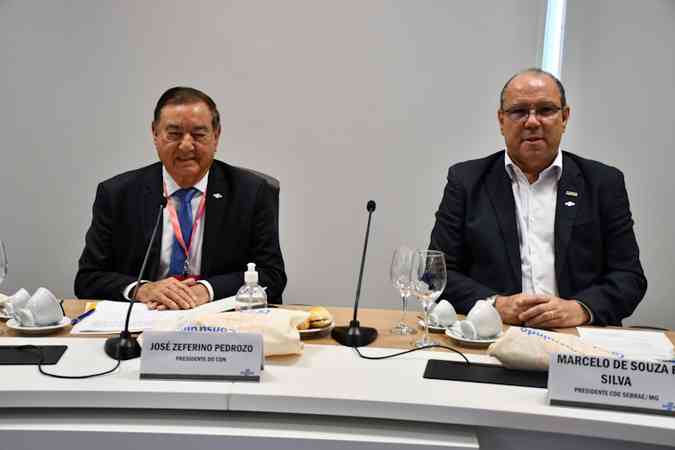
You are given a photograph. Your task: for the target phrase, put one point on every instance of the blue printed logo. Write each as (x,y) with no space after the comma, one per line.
(208,329)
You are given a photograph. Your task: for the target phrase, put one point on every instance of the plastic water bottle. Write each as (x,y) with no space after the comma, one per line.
(250,295)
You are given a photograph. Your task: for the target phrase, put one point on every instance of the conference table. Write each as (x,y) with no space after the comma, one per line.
(326,398)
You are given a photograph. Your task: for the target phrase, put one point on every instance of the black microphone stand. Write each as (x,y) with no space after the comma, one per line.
(125,346)
(355,335)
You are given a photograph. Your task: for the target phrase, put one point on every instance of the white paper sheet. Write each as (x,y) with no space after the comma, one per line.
(109,316)
(632,344)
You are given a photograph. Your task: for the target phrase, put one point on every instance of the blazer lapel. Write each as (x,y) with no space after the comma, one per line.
(570,198)
(152,197)
(216,203)
(501,195)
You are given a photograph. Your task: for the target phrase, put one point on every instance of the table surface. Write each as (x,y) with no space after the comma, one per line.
(381,319)
(326,380)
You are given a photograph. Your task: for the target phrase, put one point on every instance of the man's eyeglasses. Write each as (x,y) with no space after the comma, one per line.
(522,113)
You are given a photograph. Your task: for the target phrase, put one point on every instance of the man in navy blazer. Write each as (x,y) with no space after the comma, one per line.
(232,213)
(545,235)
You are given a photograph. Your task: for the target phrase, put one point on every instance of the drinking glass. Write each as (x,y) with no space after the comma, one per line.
(429,277)
(400,271)
(3,262)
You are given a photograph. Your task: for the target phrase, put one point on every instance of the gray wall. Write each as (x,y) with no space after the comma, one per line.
(618,69)
(343,101)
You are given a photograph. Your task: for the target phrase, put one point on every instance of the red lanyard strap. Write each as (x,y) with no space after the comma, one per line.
(175,224)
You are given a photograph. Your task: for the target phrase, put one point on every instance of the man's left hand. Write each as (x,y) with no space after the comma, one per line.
(198,289)
(555,313)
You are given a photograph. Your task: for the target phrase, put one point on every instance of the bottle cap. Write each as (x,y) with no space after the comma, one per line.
(251,276)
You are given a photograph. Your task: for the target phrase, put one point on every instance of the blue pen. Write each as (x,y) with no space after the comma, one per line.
(82,316)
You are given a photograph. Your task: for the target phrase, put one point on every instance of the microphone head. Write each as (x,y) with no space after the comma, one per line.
(370,206)
(162,203)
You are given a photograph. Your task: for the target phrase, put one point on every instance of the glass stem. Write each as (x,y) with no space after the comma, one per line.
(404,299)
(426,323)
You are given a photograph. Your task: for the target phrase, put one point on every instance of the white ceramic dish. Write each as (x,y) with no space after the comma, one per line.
(37,331)
(455,333)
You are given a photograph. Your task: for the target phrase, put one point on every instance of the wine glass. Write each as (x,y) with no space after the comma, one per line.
(400,271)
(3,261)
(429,278)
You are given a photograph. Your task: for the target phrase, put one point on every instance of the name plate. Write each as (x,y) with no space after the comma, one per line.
(202,355)
(646,386)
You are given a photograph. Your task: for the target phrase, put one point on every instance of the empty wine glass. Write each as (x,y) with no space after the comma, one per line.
(400,271)
(3,262)
(429,277)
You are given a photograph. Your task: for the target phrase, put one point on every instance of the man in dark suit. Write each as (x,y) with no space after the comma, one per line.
(545,235)
(217,218)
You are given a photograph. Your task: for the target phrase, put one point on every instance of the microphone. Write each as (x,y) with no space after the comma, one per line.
(125,346)
(355,335)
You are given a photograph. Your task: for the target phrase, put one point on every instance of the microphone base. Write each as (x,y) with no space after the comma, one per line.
(354,335)
(123,347)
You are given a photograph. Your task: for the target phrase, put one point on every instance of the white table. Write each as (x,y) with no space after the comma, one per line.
(326,398)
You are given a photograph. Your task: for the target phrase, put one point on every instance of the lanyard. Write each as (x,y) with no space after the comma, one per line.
(175,224)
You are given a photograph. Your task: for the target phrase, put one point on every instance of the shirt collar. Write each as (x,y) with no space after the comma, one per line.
(512,169)
(172,186)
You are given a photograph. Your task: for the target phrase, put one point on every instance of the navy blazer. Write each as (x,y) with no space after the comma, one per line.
(240,227)
(596,255)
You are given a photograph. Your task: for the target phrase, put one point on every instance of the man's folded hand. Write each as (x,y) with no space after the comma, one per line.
(168,293)
(555,312)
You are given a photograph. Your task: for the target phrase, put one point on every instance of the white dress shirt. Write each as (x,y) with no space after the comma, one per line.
(195,256)
(535,218)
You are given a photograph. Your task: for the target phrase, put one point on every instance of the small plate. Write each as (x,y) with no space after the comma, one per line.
(455,334)
(37,331)
(432,328)
(311,333)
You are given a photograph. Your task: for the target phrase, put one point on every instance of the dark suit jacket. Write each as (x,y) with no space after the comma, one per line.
(241,227)
(596,254)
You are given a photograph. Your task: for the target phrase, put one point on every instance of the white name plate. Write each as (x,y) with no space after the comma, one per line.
(202,355)
(647,386)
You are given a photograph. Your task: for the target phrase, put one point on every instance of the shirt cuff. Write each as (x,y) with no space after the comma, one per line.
(127,290)
(208,287)
(588,310)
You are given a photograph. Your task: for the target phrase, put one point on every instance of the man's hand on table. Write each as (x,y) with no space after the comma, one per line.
(541,311)
(170,293)
(512,306)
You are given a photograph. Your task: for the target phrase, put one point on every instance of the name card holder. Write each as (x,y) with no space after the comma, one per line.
(631,385)
(180,355)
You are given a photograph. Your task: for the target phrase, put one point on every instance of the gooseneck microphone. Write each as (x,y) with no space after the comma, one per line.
(125,346)
(355,335)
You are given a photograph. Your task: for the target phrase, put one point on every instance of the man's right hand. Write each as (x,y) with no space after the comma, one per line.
(510,307)
(170,292)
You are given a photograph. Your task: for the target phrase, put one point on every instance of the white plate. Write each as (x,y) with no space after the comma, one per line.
(432,328)
(316,332)
(36,331)
(455,334)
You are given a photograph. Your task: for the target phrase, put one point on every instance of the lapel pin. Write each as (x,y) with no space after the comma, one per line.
(570,203)
(571,193)
(217,195)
